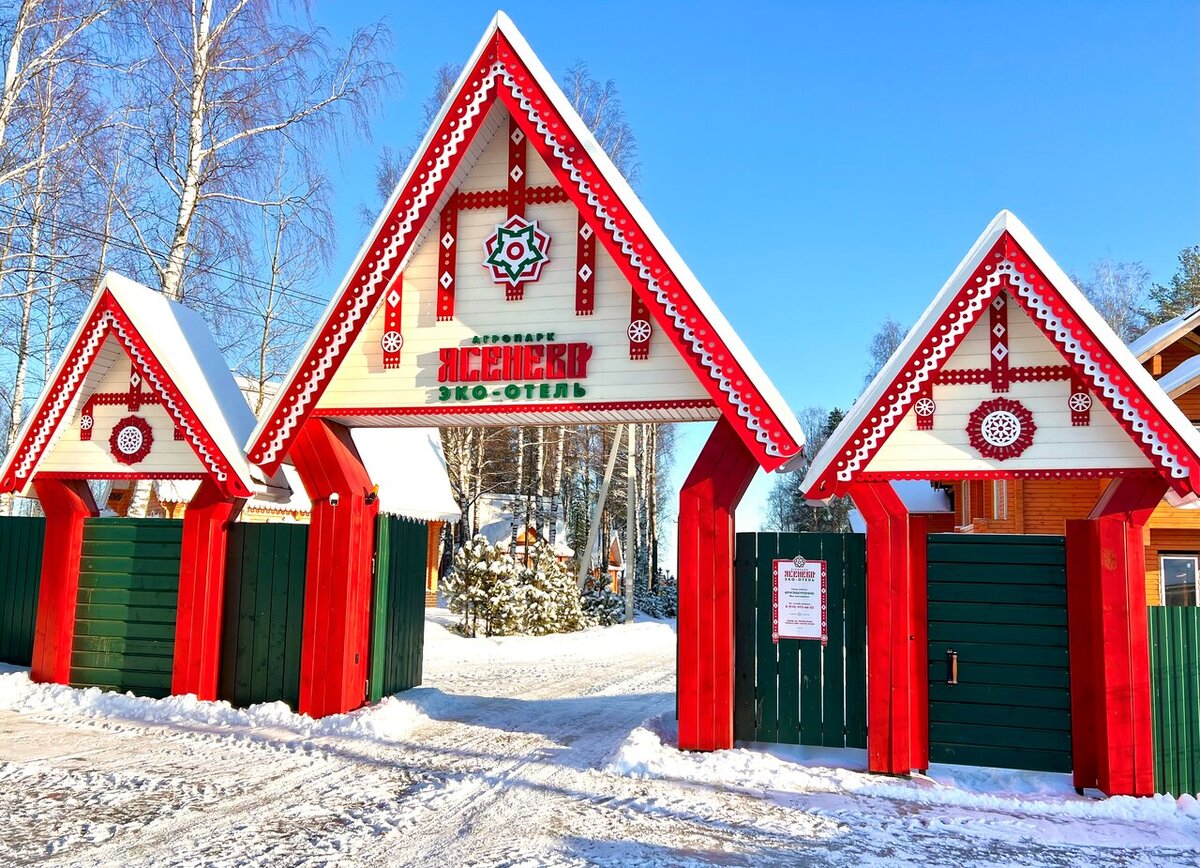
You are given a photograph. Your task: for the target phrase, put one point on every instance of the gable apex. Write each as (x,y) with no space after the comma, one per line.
(1008,261)
(504,70)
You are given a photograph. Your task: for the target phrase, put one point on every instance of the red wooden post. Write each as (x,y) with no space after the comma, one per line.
(337,579)
(706,508)
(897,727)
(201,592)
(1125,750)
(66,504)
(918,533)
(1084,648)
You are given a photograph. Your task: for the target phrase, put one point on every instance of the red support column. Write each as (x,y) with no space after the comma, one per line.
(66,504)
(201,592)
(705,626)
(1113,600)
(897,727)
(337,579)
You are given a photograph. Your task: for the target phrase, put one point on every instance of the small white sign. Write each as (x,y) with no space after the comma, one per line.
(800,604)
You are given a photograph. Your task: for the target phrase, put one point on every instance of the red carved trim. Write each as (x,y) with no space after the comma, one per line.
(924,409)
(1021,374)
(640,329)
(116,474)
(131,426)
(998,344)
(392,339)
(488,409)
(479,200)
(585,269)
(548,194)
(958,475)
(1016,442)
(516,168)
(447,258)
(1079,402)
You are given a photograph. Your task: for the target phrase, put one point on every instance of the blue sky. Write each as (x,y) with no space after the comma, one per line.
(823,165)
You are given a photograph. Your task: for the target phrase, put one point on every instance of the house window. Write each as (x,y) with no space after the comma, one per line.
(1000,499)
(1179,579)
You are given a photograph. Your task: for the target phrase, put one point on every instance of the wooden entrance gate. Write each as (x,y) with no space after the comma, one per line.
(127,606)
(798,692)
(999,683)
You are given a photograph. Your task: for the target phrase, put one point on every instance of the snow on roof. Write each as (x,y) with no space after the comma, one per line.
(1004,222)
(271,451)
(410,469)
(1164,334)
(1181,379)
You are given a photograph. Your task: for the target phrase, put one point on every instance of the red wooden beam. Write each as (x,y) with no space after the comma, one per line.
(66,503)
(337,581)
(707,503)
(897,722)
(1115,615)
(1084,649)
(201,591)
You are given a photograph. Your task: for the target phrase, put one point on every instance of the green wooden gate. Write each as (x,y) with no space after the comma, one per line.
(798,692)
(263,615)
(1175,692)
(397,606)
(998,607)
(128,594)
(20,576)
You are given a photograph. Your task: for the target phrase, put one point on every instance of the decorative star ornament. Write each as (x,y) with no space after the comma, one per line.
(516,253)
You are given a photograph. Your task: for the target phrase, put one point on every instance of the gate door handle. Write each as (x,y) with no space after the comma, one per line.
(951,666)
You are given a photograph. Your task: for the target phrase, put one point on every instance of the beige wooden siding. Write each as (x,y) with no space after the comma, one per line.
(70,454)
(1057,444)
(481,309)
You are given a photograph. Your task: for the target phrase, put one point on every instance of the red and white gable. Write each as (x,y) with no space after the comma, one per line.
(141,392)
(514,278)
(1009,374)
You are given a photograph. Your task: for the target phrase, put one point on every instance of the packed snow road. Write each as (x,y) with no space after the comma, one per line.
(522,751)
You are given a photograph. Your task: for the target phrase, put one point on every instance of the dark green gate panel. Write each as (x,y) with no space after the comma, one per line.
(798,692)
(20,576)
(128,596)
(263,616)
(1000,602)
(397,606)
(1175,691)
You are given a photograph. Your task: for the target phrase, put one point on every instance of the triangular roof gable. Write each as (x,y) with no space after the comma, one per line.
(170,348)
(1008,258)
(504,67)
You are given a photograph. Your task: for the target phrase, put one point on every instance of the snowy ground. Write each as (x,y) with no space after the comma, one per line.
(516,752)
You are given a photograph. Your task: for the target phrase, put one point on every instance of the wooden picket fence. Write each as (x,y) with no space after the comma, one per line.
(20,576)
(398,606)
(800,692)
(1175,691)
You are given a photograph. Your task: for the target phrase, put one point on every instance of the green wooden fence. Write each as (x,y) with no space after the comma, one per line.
(398,606)
(263,615)
(20,576)
(1175,691)
(798,692)
(128,595)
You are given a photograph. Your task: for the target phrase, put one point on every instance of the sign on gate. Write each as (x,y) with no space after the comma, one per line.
(800,604)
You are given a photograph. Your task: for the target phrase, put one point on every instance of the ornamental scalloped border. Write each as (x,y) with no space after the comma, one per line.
(487,409)
(1006,266)
(108,318)
(961,475)
(567,159)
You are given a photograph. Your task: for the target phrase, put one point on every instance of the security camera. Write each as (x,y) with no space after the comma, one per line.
(333,499)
